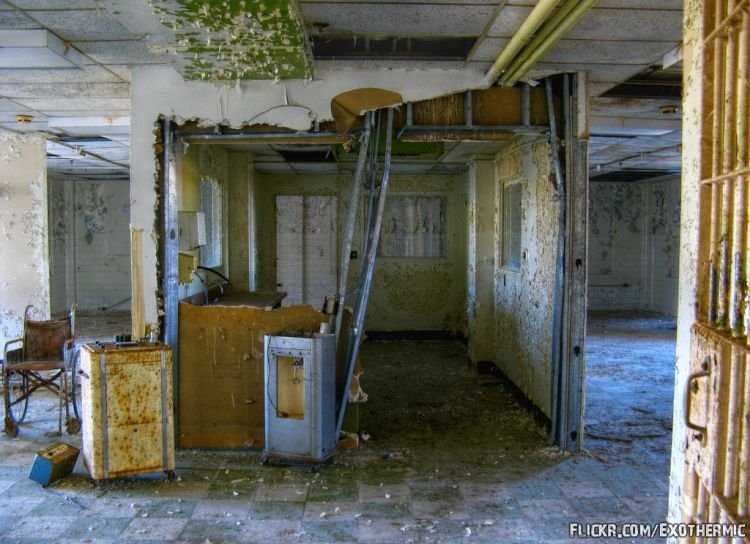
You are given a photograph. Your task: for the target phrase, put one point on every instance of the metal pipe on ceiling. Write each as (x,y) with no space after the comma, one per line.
(536,18)
(554,29)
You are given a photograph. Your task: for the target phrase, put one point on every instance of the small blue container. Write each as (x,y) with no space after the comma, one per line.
(53,463)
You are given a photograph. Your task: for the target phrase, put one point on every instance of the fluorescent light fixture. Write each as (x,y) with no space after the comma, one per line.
(672,57)
(118,125)
(36,49)
(630,126)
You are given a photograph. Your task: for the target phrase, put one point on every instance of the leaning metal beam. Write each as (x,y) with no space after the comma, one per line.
(453,132)
(351,218)
(358,319)
(264,137)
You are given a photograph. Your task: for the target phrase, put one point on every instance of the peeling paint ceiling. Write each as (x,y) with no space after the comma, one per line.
(86,110)
(236,39)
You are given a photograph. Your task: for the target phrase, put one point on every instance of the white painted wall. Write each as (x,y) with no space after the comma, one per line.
(524,298)
(194,163)
(89,244)
(692,102)
(633,245)
(481,260)
(101,241)
(24,251)
(160,90)
(60,216)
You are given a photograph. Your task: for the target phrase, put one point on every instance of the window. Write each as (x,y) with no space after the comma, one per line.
(211,206)
(413,226)
(511,254)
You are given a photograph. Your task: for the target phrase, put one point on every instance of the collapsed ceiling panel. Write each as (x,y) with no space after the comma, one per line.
(236,39)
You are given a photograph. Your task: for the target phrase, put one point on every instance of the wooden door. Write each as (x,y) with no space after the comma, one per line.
(717,392)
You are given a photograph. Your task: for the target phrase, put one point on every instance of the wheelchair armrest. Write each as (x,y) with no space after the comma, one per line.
(8,343)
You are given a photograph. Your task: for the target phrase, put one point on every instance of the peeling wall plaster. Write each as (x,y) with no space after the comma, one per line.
(481,262)
(692,156)
(523,303)
(633,241)
(24,256)
(159,91)
(195,163)
(407,293)
(101,243)
(59,222)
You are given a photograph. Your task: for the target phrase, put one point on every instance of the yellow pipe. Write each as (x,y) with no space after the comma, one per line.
(535,19)
(547,37)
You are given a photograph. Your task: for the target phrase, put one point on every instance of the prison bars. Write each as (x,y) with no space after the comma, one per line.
(727,59)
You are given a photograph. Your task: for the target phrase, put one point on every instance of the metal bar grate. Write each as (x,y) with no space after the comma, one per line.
(726,168)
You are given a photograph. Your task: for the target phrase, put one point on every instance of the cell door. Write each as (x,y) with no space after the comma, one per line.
(306,248)
(717,391)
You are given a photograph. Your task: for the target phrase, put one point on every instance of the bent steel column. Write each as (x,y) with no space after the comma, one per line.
(351,219)
(360,310)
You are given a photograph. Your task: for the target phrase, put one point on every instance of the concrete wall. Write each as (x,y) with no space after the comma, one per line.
(692,150)
(633,245)
(159,90)
(407,293)
(240,181)
(60,195)
(89,244)
(101,238)
(480,311)
(523,299)
(24,250)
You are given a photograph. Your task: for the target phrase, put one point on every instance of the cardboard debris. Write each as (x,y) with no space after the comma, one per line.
(346,107)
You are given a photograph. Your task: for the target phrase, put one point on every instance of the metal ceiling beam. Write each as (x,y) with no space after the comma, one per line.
(419,133)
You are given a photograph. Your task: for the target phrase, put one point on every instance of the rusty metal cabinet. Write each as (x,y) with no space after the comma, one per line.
(128,409)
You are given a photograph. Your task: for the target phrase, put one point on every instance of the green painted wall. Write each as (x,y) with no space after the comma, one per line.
(407,293)
(239,183)
(236,39)
(194,163)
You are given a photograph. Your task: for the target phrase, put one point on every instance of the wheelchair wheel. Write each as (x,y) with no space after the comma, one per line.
(16,388)
(75,385)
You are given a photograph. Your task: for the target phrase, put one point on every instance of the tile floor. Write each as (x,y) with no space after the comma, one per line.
(451,457)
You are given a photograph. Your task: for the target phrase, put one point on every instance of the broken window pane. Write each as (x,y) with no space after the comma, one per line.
(413,226)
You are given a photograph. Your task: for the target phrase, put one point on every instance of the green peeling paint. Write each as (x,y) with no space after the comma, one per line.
(237,39)
(399,148)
